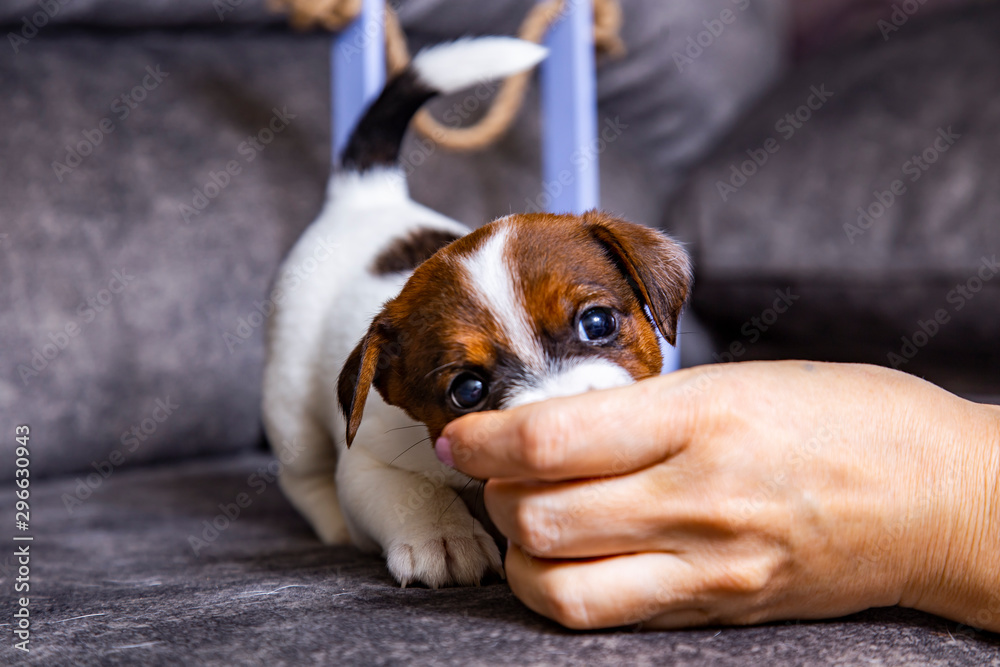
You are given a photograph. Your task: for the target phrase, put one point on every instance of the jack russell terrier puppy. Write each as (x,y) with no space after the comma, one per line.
(442,322)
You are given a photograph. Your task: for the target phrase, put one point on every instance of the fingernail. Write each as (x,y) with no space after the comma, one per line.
(443,450)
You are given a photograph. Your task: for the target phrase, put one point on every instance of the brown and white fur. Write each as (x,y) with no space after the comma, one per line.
(433,305)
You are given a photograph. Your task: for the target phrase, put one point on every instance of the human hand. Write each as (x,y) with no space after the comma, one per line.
(744,493)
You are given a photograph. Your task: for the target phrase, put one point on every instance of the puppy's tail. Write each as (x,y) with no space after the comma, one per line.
(445,68)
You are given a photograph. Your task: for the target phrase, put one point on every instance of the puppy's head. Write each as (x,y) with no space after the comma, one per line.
(526,308)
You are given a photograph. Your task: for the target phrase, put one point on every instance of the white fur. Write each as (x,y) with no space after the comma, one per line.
(380,494)
(465,62)
(572,378)
(493,280)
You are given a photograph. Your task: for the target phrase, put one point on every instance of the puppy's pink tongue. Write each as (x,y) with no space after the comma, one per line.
(443,450)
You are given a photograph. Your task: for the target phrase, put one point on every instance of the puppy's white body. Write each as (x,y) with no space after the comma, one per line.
(387,492)
(312,333)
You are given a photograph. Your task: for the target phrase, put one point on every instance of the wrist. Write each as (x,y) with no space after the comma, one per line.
(961,577)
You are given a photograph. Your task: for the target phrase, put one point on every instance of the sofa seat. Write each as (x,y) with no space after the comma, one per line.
(129,574)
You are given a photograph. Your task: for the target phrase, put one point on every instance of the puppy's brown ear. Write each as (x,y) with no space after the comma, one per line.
(361,370)
(656,266)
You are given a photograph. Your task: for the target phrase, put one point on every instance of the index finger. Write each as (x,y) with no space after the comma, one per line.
(611,432)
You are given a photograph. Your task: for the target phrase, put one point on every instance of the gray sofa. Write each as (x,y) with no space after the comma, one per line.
(132,330)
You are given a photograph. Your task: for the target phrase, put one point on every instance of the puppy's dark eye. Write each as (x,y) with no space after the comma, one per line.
(597,325)
(468,391)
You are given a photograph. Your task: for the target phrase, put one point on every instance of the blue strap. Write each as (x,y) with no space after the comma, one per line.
(357,61)
(569,114)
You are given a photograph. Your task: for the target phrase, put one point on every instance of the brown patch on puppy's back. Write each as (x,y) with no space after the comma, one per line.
(407,253)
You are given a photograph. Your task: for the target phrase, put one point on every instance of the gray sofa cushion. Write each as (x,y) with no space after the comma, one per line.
(820,24)
(113,299)
(124,580)
(38,14)
(877,273)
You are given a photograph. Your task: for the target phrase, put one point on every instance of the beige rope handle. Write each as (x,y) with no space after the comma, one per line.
(335,14)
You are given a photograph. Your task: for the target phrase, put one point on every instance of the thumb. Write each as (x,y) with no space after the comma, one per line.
(596,434)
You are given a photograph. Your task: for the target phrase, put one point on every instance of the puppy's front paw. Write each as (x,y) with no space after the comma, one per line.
(444,555)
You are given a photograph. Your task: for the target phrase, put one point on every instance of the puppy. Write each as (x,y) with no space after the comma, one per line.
(449,322)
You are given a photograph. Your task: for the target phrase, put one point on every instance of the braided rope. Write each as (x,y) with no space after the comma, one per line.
(334,15)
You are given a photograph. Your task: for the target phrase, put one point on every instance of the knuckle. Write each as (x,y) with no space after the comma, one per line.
(565,602)
(748,577)
(535,528)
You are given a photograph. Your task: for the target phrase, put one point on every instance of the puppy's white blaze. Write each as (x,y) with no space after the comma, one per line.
(460,64)
(493,280)
(576,377)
